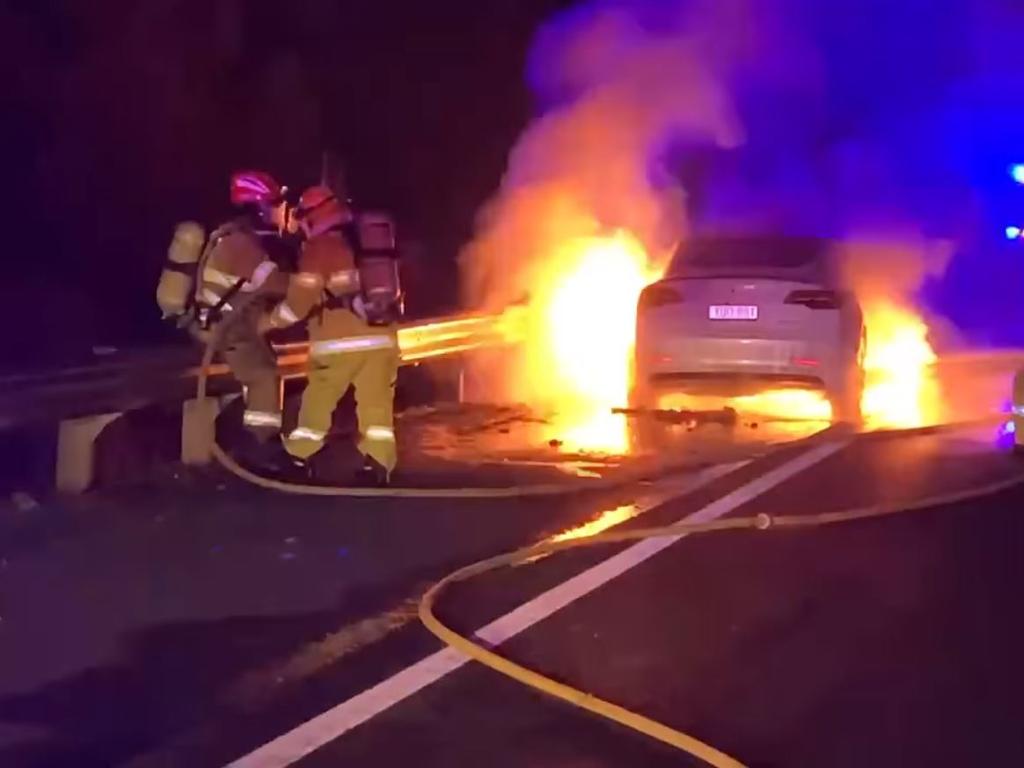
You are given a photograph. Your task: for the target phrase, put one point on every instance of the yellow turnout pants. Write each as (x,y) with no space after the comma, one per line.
(254,365)
(359,355)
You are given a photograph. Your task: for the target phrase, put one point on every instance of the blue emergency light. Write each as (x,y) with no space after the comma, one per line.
(1017,172)
(1013,233)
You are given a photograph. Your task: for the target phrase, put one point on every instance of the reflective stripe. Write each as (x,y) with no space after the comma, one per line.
(384,434)
(261,419)
(1018,410)
(286,314)
(344,278)
(259,276)
(212,298)
(353,344)
(305,433)
(308,279)
(215,276)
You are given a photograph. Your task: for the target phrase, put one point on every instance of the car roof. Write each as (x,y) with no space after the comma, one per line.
(803,259)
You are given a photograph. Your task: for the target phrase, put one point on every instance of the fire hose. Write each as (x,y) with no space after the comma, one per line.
(607,709)
(530,678)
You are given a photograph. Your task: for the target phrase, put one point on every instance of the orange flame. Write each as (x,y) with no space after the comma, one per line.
(796,412)
(900,387)
(581,342)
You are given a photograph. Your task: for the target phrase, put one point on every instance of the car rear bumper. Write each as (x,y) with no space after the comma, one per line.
(776,362)
(724,382)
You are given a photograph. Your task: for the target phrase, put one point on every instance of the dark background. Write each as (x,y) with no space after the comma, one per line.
(122,117)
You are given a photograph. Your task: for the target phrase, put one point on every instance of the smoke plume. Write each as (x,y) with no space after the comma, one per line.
(619,94)
(665,116)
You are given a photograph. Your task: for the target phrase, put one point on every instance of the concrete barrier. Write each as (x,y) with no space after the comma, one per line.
(76,451)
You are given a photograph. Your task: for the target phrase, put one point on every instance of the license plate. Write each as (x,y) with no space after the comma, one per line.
(732,312)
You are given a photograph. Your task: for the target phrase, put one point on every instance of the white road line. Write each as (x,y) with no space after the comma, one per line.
(328,726)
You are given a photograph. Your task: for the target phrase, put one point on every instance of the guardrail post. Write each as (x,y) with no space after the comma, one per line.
(76,451)
(198,430)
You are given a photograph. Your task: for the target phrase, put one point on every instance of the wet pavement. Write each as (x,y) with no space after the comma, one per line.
(889,642)
(190,621)
(480,445)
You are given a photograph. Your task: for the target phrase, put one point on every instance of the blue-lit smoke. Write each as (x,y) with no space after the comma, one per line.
(852,114)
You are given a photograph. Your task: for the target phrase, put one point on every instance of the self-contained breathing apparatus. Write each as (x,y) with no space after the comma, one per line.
(372,237)
(179,291)
(175,292)
(374,291)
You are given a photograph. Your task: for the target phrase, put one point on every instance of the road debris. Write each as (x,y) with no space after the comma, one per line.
(691,419)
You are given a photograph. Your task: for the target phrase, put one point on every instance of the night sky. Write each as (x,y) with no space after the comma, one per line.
(122,117)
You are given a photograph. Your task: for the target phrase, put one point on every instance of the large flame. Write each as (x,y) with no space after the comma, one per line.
(900,386)
(796,412)
(581,342)
(579,335)
(787,404)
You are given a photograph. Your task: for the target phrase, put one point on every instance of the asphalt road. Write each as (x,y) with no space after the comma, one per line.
(179,624)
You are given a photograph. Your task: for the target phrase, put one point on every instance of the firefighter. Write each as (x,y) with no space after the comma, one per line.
(234,283)
(351,303)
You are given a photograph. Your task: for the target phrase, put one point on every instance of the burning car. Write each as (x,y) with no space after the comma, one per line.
(739,315)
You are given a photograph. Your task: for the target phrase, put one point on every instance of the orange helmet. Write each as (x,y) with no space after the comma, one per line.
(319,210)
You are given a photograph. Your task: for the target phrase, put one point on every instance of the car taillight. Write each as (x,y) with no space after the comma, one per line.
(815,299)
(659,296)
(805,362)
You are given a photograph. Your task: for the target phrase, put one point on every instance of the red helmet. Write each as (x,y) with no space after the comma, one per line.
(255,187)
(320,209)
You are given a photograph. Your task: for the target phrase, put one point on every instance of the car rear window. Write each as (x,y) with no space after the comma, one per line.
(748,255)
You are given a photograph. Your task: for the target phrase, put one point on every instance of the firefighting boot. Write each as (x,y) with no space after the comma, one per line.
(255,455)
(297,472)
(372,474)
(268,459)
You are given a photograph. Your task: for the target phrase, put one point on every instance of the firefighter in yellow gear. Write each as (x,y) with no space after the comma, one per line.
(224,290)
(239,277)
(349,346)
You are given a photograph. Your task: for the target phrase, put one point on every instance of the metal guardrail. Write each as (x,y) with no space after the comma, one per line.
(170,373)
(83,399)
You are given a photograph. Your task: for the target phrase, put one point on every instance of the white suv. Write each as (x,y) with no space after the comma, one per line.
(736,315)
